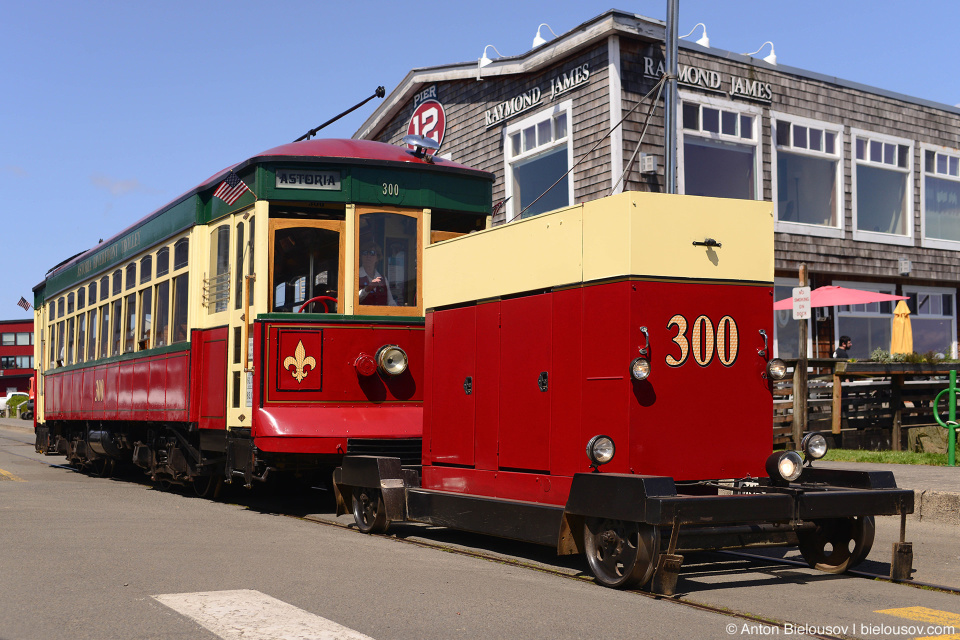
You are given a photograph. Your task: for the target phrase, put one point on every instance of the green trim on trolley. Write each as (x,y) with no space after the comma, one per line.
(134,355)
(393,184)
(335,318)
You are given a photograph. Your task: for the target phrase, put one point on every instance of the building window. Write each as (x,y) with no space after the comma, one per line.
(8,339)
(940,197)
(24,339)
(538,152)
(786,330)
(882,188)
(870,326)
(932,320)
(719,149)
(808,160)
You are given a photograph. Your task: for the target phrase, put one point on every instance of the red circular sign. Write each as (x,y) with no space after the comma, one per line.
(428,120)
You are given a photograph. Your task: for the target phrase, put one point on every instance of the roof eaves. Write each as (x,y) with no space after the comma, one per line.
(580,37)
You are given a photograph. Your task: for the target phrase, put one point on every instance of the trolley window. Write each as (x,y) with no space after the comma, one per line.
(388,273)
(306,264)
(180,331)
(104,330)
(146,269)
(181,253)
(163,262)
(163,314)
(146,317)
(92,335)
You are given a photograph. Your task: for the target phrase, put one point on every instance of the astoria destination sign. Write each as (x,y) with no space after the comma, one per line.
(708,79)
(306,179)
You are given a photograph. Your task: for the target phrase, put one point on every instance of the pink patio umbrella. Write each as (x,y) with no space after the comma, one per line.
(835,296)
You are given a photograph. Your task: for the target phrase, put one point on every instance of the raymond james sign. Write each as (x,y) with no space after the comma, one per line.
(712,80)
(530,98)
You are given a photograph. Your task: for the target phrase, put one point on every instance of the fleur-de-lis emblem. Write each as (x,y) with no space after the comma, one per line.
(299,361)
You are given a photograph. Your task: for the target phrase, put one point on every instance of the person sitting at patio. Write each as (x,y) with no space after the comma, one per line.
(842,351)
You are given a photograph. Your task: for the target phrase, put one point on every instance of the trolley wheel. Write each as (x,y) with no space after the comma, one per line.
(621,554)
(369,511)
(837,544)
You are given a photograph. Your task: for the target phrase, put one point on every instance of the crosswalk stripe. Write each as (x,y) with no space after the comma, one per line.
(246,614)
(6,475)
(930,616)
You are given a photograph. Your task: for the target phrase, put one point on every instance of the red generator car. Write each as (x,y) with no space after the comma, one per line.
(598,379)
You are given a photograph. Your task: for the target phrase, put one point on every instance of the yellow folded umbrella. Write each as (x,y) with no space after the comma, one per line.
(902,340)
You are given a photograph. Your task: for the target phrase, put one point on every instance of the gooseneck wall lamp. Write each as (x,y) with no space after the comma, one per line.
(484,60)
(772,58)
(538,39)
(704,41)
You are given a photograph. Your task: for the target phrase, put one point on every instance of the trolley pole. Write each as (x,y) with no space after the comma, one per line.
(670,99)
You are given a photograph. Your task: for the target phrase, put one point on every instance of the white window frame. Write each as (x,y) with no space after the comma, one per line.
(934,243)
(801,228)
(513,204)
(912,288)
(780,281)
(878,287)
(725,105)
(873,236)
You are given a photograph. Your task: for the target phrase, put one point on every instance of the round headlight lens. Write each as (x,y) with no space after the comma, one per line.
(777,369)
(814,445)
(639,368)
(601,449)
(785,465)
(391,360)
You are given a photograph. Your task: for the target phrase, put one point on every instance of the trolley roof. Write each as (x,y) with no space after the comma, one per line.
(363,165)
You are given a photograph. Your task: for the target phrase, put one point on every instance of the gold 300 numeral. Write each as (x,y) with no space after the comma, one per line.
(724,341)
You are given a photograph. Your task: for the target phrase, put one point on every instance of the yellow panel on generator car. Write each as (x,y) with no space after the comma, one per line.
(629,234)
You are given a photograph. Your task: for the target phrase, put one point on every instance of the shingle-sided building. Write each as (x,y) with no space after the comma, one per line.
(866,182)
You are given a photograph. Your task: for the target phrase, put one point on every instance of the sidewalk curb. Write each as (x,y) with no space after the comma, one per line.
(937,506)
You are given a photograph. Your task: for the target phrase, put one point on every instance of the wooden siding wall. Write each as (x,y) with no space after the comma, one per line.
(468,141)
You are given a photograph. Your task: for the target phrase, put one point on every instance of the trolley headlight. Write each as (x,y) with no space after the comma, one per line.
(639,368)
(391,360)
(777,369)
(814,446)
(600,450)
(784,465)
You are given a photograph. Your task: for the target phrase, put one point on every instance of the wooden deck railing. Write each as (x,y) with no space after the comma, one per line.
(846,396)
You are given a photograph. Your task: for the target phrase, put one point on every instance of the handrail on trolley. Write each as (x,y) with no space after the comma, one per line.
(250,279)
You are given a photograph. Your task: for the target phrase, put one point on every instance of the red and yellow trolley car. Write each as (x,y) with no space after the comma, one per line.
(603,386)
(269,319)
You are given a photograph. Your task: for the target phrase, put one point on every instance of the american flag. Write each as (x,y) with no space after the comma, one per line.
(23,303)
(230,189)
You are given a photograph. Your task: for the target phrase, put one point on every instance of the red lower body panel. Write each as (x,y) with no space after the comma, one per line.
(313,429)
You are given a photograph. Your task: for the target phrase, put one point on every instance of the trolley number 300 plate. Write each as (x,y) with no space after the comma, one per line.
(705,342)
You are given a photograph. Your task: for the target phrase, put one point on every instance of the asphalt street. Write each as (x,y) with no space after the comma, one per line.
(87,557)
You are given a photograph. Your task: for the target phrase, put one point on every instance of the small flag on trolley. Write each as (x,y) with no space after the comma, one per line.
(231,189)
(23,303)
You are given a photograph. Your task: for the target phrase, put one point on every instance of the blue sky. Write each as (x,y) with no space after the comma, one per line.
(109,110)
